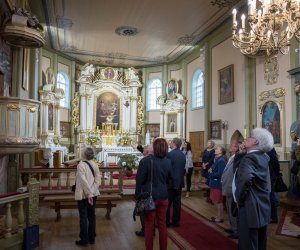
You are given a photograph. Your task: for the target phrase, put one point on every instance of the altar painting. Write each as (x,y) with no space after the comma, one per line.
(271,120)
(108,109)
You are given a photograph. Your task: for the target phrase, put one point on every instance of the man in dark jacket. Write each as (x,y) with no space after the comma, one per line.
(251,189)
(178,160)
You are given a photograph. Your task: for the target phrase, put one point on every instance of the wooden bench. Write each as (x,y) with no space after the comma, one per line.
(67,201)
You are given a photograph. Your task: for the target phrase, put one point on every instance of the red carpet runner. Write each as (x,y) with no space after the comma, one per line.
(196,232)
(289,224)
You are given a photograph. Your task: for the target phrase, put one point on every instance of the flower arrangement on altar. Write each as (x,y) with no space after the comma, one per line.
(125,141)
(128,161)
(92,139)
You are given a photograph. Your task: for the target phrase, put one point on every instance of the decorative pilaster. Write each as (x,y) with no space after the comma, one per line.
(161,128)
(133,114)
(180,123)
(57,120)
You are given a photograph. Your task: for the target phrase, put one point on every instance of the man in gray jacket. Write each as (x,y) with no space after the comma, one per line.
(251,189)
(226,180)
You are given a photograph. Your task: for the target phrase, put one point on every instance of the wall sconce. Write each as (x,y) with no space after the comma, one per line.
(225,125)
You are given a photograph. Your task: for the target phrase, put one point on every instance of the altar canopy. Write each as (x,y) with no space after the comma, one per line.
(109,106)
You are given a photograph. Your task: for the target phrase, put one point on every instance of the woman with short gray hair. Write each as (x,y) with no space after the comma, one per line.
(86,192)
(251,188)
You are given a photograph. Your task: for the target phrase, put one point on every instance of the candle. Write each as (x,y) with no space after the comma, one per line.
(245,133)
(243,17)
(234,16)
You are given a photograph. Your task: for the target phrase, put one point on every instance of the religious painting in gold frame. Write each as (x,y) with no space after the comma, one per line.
(65,129)
(171,123)
(215,130)
(226,85)
(154,129)
(172,88)
(108,110)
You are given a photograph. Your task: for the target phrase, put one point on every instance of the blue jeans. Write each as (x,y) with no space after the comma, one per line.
(87,220)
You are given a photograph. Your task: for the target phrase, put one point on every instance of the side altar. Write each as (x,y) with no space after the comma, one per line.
(108,109)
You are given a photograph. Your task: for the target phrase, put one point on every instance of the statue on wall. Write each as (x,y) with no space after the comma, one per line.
(132,74)
(88,70)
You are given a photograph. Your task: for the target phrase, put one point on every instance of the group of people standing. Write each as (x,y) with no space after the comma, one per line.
(246,180)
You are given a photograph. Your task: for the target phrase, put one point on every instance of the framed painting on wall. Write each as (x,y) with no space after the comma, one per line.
(171,123)
(215,130)
(108,109)
(154,129)
(271,120)
(226,85)
(65,129)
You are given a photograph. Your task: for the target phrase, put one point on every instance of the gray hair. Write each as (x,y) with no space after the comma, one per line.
(88,153)
(177,142)
(264,137)
(212,143)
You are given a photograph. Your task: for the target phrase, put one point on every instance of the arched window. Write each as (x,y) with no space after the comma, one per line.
(63,83)
(198,89)
(154,90)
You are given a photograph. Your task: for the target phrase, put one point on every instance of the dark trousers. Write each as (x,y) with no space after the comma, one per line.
(87,219)
(250,238)
(142,219)
(174,197)
(274,205)
(189,179)
(160,214)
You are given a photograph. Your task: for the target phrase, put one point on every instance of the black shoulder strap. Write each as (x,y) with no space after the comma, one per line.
(91,168)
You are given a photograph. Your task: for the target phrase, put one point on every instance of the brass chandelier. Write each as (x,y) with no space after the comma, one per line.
(271,26)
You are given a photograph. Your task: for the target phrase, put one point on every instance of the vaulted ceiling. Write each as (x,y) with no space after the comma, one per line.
(87,30)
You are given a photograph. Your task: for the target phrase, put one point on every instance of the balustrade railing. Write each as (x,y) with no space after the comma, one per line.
(61,179)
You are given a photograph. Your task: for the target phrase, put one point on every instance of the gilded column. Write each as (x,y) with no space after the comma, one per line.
(161,127)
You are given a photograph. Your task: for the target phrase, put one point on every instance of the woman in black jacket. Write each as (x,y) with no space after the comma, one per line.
(161,173)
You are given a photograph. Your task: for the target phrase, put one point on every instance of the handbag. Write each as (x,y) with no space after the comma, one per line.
(145,203)
(31,237)
(73,187)
(280,186)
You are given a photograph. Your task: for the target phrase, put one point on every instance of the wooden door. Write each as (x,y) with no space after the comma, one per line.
(197,143)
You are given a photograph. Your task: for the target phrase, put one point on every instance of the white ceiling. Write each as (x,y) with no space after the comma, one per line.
(85,29)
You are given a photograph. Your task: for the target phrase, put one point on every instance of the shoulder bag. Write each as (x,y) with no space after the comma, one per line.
(73,188)
(145,203)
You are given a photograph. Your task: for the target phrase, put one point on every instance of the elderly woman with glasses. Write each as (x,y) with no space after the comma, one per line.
(251,189)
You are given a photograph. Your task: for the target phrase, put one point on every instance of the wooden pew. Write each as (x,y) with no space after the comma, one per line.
(58,202)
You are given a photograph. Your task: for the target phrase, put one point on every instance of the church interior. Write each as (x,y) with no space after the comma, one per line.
(117,74)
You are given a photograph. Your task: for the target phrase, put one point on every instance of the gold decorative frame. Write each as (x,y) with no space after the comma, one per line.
(172,88)
(215,130)
(226,85)
(171,123)
(266,98)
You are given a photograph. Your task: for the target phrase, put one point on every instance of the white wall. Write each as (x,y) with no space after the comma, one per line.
(194,118)
(223,55)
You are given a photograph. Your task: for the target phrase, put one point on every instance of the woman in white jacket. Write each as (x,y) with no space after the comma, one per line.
(189,166)
(86,192)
